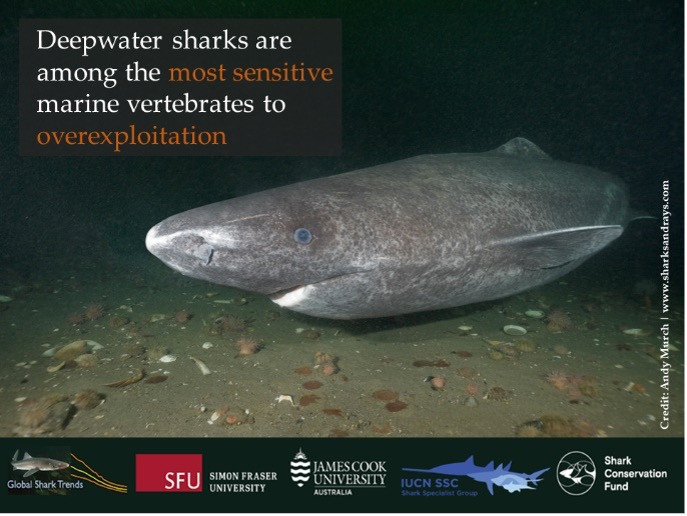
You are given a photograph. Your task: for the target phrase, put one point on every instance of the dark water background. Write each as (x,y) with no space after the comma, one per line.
(595,83)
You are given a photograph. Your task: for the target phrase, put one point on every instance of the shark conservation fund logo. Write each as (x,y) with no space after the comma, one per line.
(337,477)
(445,479)
(169,472)
(576,473)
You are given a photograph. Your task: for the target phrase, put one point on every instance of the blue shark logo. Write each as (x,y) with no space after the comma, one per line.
(500,475)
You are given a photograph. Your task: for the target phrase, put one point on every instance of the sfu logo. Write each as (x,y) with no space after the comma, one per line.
(169,473)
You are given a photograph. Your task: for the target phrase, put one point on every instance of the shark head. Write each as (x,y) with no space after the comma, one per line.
(283,243)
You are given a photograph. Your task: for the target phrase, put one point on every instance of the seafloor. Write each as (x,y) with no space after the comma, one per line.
(575,373)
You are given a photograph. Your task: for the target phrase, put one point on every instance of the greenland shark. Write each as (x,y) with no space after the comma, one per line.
(429,232)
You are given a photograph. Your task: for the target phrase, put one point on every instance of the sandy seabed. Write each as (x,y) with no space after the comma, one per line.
(604,382)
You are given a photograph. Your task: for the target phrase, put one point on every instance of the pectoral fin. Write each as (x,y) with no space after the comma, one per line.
(30,472)
(550,249)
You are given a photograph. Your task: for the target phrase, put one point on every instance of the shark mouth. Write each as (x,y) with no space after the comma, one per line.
(295,295)
(291,296)
(275,296)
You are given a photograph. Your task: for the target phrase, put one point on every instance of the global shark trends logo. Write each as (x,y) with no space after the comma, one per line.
(500,475)
(63,476)
(35,464)
(300,469)
(576,473)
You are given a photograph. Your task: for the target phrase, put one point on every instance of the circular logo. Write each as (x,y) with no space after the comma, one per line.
(576,473)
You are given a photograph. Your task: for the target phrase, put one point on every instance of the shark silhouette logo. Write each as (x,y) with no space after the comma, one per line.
(576,473)
(35,464)
(491,475)
(300,469)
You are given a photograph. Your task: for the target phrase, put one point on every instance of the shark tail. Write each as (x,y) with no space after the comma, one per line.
(534,477)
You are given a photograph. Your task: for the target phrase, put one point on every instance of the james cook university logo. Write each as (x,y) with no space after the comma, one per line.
(300,469)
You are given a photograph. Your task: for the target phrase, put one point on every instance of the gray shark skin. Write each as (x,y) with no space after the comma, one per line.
(430,232)
(35,464)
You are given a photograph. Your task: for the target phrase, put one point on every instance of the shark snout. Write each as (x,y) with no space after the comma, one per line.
(215,253)
(152,241)
(182,249)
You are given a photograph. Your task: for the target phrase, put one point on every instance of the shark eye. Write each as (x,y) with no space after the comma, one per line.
(302,236)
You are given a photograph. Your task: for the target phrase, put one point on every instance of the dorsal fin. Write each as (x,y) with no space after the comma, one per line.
(520,148)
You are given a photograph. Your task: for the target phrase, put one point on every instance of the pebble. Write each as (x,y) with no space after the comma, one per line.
(464,328)
(512,329)
(20,399)
(5,299)
(534,314)
(95,346)
(167,358)
(207,345)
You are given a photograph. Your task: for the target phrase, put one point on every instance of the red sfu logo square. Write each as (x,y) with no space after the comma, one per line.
(169,472)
